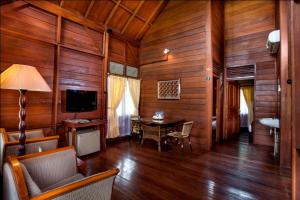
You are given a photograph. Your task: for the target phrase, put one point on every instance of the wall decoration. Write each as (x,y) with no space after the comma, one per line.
(168,89)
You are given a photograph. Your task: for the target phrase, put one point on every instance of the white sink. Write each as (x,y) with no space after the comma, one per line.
(270,122)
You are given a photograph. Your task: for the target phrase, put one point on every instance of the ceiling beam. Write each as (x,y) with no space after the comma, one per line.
(75,17)
(3,2)
(88,10)
(72,16)
(149,19)
(132,16)
(112,12)
(130,11)
(12,5)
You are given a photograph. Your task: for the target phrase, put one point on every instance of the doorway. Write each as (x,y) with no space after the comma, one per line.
(239,110)
(246,110)
(217,116)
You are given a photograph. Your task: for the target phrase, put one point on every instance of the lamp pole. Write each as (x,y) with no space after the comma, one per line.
(22,123)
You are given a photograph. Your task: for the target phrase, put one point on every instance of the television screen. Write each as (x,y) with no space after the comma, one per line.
(81,101)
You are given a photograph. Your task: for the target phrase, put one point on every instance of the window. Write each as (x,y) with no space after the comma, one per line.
(123,102)
(123,70)
(116,68)
(124,111)
(244,112)
(132,72)
(243,104)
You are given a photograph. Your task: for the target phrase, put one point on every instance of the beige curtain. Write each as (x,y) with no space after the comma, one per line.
(248,92)
(116,88)
(134,89)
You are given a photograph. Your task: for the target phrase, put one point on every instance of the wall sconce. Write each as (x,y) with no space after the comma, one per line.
(166,51)
(163,57)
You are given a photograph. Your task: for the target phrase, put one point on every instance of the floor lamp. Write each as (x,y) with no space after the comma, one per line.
(23,78)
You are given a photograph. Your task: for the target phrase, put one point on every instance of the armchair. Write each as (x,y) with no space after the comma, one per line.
(53,175)
(35,142)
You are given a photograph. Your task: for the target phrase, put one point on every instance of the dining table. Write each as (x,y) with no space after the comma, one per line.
(164,124)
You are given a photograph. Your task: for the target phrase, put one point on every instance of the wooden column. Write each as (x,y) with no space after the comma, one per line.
(56,74)
(104,85)
(285,114)
(295,63)
(209,73)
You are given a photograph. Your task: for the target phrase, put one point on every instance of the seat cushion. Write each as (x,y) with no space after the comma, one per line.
(30,134)
(177,135)
(13,137)
(32,187)
(65,181)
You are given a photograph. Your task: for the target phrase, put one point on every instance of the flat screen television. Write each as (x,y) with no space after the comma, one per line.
(81,101)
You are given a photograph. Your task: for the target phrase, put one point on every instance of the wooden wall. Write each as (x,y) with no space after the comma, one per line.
(67,54)
(247,24)
(217,41)
(15,48)
(217,16)
(182,28)
(80,66)
(123,52)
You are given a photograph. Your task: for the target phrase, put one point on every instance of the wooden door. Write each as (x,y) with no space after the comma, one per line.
(232,110)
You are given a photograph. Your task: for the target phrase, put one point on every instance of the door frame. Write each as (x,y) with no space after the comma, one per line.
(225,100)
(219,106)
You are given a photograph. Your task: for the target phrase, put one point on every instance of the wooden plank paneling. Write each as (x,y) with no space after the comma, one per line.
(247,24)
(63,68)
(266,100)
(77,5)
(105,7)
(117,50)
(79,71)
(181,28)
(30,21)
(39,105)
(82,37)
(132,55)
(217,31)
(19,22)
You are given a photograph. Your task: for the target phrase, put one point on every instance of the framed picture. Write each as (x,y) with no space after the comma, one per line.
(168,89)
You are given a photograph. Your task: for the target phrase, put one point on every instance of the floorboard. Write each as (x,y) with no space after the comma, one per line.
(234,170)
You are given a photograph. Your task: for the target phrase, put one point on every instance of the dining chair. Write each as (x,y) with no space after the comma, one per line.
(136,128)
(153,133)
(180,136)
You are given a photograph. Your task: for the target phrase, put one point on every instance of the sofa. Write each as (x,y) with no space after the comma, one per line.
(53,175)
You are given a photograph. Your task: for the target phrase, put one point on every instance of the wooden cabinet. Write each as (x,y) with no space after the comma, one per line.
(73,126)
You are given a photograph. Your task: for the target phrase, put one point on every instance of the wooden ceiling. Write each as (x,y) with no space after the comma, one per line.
(131,18)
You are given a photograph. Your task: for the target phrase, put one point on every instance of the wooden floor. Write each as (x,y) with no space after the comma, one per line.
(234,170)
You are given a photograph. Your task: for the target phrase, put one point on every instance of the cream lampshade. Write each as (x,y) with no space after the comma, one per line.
(23,78)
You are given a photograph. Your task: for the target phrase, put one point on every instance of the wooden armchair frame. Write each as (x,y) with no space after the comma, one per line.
(21,184)
(28,141)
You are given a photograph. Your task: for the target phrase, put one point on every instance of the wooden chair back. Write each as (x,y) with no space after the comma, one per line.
(187,128)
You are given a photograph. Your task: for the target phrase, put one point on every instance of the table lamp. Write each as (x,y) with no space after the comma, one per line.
(23,78)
